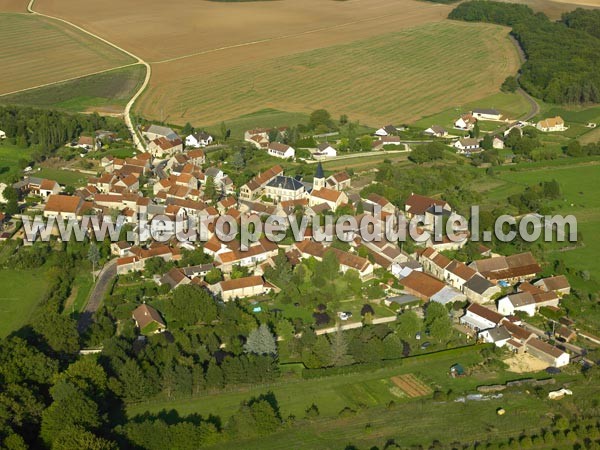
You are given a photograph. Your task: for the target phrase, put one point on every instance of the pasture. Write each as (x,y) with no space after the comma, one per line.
(10,155)
(580,196)
(106,92)
(44,51)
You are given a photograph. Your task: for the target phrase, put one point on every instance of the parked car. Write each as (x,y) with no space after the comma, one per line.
(344,315)
(425,345)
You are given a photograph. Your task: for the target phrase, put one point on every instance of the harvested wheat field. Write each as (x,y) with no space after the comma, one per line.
(44,51)
(157,30)
(411,385)
(395,77)
(13,6)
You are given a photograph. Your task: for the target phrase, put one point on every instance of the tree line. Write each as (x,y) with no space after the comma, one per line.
(563,58)
(47,130)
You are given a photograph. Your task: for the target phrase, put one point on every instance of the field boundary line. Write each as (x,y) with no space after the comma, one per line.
(66,80)
(127,112)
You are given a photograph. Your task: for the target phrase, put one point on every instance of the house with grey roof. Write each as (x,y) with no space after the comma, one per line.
(480,290)
(282,188)
(158,131)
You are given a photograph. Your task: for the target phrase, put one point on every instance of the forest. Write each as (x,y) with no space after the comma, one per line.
(563,58)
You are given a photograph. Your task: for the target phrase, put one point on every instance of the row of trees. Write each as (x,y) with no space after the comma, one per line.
(48,130)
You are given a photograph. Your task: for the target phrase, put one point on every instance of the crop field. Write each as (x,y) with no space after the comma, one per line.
(106,92)
(201,27)
(13,6)
(43,51)
(395,77)
(411,385)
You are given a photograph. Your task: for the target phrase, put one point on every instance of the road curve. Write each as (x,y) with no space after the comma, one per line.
(106,275)
(139,144)
(535,107)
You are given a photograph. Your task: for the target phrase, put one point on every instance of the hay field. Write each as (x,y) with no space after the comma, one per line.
(43,51)
(394,77)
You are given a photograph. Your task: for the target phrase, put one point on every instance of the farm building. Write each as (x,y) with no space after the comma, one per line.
(486,114)
(554,356)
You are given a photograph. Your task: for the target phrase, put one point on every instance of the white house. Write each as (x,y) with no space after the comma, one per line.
(497,143)
(480,318)
(281,150)
(437,131)
(523,301)
(465,122)
(197,140)
(467,145)
(554,356)
(498,336)
(388,130)
(242,287)
(2,135)
(325,149)
(486,114)
(551,124)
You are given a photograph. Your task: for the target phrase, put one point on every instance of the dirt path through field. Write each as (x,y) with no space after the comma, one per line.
(136,139)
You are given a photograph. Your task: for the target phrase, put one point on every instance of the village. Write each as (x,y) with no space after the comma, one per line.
(172,179)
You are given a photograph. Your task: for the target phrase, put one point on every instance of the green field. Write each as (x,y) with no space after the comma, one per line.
(511,105)
(266,118)
(108,91)
(397,77)
(44,51)
(332,394)
(21,292)
(9,159)
(580,197)
(65,177)
(369,393)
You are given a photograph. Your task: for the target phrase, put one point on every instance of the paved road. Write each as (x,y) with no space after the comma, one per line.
(103,282)
(139,144)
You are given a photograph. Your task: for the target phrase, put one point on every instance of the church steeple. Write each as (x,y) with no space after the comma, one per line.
(319,180)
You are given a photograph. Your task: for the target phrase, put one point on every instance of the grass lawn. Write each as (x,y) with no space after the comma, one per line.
(9,159)
(21,292)
(82,286)
(106,91)
(65,177)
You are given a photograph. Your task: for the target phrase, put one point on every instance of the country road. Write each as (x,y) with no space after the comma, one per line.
(107,274)
(139,144)
(535,107)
